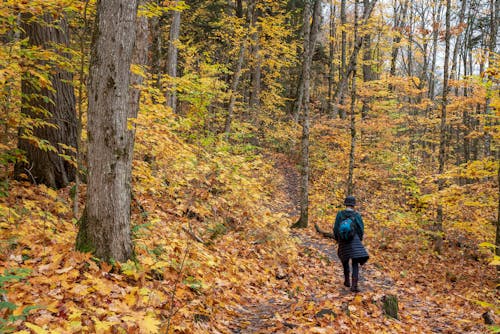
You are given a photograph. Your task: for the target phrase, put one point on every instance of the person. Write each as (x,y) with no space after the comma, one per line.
(351,249)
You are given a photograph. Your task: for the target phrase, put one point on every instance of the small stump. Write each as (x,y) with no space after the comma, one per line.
(390,306)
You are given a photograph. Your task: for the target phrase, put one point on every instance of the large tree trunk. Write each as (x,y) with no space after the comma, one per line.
(310,44)
(172,57)
(55,106)
(442,141)
(105,223)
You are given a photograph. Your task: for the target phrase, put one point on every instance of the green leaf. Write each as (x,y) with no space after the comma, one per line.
(8,305)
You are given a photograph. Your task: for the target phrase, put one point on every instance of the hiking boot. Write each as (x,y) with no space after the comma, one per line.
(347,283)
(354,287)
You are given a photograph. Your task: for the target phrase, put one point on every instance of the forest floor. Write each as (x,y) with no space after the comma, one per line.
(321,304)
(252,274)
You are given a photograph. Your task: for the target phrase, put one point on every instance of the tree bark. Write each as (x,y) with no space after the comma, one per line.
(436,18)
(234,87)
(438,245)
(494,8)
(306,31)
(368,74)
(343,56)
(237,72)
(104,228)
(156,27)
(353,59)
(331,57)
(55,106)
(398,25)
(172,57)
(350,178)
(310,45)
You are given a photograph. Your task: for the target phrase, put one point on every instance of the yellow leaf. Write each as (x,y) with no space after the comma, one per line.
(149,324)
(35,328)
(102,326)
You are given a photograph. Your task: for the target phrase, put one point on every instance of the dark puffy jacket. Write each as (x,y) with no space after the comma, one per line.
(353,249)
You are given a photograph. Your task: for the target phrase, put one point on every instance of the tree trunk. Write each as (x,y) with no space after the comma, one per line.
(310,45)
(58,110)
(306,31)
(494,8)
(436,18)
(354,55)
(105,224)
(442,141)
(497,234)
(350,178)
(256,70)
(458,41)
(172,57)
(368,74)
(331,57)
(156,27)
(237,71)
(234,87)
(399,21)
(139,58)
(343,56)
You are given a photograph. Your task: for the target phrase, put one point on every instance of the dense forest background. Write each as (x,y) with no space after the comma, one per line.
(175,166)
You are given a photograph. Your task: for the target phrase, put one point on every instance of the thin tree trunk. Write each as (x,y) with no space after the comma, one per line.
(436,18)
(156,27)
(442,141)
(256,72)
(139,58)
(367,63)
(331,66)
(343,22)
(497,234)
(494,8)
(81,83)
(398,25)
(310,45)
(306,30)
(234,87)
(58,105)
(353,59)
(350,179)
(456,47)
(172,57)
(238,69)
(104,228)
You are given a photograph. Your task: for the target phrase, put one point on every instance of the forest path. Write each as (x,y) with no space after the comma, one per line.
(266,314)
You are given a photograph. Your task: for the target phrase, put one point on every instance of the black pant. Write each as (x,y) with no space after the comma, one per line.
(355,268)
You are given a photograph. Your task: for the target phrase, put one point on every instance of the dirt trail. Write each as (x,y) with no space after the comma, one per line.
(262,316)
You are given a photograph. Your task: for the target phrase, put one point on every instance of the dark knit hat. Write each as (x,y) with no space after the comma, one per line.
(350,201)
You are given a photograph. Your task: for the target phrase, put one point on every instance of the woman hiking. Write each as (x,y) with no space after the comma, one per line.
(348,231)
